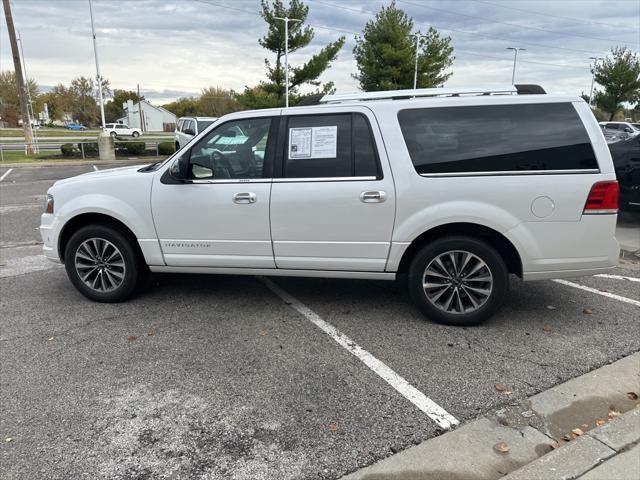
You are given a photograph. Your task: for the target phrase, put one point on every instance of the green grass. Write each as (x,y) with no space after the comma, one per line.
(62,132)
(20,157)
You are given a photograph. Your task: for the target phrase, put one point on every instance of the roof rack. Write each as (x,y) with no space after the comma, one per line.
(430,92)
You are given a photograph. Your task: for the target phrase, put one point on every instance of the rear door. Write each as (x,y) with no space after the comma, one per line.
(333,205)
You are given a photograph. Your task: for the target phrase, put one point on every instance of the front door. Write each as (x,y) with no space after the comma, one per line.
(219,217)
(333,206)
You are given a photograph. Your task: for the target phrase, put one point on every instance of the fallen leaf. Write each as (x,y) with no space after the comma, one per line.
(550,307)
(577,432)
(132,338)
(50,339)
(264,332)
(587,311)
(501,387)
(333,428)
(547,328)
(632,395)
(151,332)
(555,445)
(600,422)
(568,437)
(585,425)
(8,439)
(614,413)
(501,447)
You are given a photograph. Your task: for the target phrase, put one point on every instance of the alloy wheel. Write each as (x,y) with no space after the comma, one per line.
(100,265)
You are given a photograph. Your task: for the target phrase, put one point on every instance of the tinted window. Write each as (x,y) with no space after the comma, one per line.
(496,138)
(323,146)
(203,124)
(365,158)
(233,150)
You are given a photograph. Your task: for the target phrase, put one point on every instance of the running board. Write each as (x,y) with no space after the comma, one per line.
(276,272)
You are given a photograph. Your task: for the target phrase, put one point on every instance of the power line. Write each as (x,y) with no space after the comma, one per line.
(510,24)
(545,14)
(589,52)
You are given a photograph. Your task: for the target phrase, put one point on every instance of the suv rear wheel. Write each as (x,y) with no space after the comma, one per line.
(458,281)
(101,264)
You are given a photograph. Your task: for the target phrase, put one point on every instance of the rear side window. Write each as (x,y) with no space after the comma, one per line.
(330,146)
(496,138)
(203,124)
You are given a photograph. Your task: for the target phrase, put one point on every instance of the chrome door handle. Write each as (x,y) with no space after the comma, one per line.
(373,197)
(245,197)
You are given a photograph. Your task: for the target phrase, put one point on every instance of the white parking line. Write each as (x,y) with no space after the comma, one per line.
(4,175)
(434,411)
(95,168)
(595,290)
(617,277)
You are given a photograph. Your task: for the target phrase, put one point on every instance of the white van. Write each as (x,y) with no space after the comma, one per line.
(359,187)
(189,127)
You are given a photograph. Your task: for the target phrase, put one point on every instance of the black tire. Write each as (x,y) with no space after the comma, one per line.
(482,251)
(113,134)
(135,134)
(130,272)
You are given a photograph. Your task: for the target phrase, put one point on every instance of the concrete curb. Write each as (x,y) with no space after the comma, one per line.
(538,434)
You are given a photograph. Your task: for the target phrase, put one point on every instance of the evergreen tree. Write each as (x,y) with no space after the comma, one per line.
(619,75)
(271,93)
(386,53)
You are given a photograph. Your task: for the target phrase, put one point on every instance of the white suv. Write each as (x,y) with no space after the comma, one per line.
(189,127)
(358,187)
(120,130)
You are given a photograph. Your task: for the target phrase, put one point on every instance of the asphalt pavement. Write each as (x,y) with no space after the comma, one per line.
(219,377)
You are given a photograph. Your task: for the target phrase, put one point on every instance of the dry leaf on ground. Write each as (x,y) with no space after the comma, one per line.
(577,432)
(264,332)
(587,311)
(501,447)
(600,422)
(547,328)
(333,428)
(501,387)
(632,395)
(132,338)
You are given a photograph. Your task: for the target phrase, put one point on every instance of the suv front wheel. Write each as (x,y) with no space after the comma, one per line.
(101,264)
(458,281)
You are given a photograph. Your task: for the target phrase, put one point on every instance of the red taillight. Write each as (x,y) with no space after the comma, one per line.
(603,198)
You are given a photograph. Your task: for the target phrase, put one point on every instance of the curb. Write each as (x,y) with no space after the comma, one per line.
(561,433)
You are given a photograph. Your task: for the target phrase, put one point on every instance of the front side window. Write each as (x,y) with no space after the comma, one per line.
(120,126)
(496,138)
(329,146)
(233,150)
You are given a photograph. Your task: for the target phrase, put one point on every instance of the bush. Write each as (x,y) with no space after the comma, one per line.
(68,150)
(89,148)
(136,148)
(166,148)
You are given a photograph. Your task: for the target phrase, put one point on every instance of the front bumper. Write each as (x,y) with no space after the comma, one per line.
(49,233)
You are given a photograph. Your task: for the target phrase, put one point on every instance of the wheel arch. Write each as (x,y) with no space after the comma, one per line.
(497,240)
(93,218)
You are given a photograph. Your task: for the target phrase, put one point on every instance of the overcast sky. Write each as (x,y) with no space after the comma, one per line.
(176,48)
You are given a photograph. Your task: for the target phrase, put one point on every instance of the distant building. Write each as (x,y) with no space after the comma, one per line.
(154,119)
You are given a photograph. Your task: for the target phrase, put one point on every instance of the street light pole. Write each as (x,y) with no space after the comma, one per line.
(98,77)
(415,71)
(515,59)
(286,21)
(593,76)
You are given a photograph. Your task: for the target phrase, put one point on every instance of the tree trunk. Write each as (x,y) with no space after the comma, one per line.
(22,92)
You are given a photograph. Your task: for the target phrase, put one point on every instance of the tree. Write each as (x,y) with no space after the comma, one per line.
(10,101)
(271,93)
(113,109)
(183,107)
(619,75)
(216,102)
(385,53)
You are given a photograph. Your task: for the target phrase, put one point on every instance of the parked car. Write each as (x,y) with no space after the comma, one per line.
(189,127)
(356,187)
(121,130)
(626,161)
(612,136)
(625,127)
(76,126)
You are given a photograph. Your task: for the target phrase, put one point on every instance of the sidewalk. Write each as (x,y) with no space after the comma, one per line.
(587,428)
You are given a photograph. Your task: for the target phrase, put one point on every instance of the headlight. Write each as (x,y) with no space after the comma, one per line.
(49,208)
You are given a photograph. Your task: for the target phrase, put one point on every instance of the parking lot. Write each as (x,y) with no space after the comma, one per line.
(246,378)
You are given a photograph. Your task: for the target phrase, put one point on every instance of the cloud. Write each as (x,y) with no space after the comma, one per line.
(176,48)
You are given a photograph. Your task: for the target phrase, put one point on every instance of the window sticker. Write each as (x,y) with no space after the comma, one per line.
(313,142)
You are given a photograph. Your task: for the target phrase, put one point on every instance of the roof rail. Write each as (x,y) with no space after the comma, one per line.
(419,92)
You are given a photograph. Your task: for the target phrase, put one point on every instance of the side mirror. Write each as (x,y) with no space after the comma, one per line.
(189,131)
(180,169)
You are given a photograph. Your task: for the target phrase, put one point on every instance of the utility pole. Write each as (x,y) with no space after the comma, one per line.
(593,76)
(98,77)
(515,59)
(286,21)
(415,72)
(20,82)
(32,115)
(140,109)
